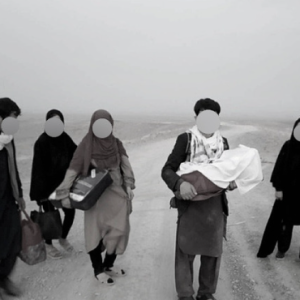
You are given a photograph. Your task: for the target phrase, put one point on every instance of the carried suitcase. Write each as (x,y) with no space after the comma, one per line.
(86,190)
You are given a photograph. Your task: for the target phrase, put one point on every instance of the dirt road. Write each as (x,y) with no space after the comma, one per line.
(149,259)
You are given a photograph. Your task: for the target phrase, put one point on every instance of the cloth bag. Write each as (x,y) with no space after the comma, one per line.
(33,246)
(50,223)
(86,190)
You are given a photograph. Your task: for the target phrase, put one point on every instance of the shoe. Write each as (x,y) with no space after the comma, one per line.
(105,279)
(66,245)
(260,255)
(115,271)
(9,287)
(206,297)
(53,252)
(280,255)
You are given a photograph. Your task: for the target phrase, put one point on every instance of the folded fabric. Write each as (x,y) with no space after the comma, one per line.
(205,188)
(242,165)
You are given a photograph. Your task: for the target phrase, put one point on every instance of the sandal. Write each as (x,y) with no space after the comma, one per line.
(115,271)
(105,279)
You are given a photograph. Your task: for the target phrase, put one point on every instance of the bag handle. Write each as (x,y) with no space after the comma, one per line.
(26,215)
(93,162)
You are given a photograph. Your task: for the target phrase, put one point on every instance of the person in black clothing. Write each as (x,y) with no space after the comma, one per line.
(11,201)
(285,214)
(201,224)
(51,159)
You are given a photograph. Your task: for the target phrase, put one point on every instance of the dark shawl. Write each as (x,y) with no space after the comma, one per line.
(10,224)
(286,177)
(105,151)
(286,172)
(54,112)
(51,159)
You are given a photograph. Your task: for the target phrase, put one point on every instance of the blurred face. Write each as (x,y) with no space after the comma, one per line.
(102,128)
(208,122)
(297,132)
(54,126)
(12,115)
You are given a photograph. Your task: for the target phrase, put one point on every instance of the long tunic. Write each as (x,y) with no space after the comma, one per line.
(108,219)
(201,224)
(10,224)
(286,178)
(51,159)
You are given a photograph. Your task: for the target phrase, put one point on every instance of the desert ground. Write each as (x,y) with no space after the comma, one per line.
(149,258)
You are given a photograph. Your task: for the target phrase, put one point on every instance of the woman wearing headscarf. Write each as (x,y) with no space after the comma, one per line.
(285,214)
(106,224)
(51,159)
(11,201)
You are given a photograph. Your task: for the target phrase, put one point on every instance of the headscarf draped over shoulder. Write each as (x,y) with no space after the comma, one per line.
(105,151)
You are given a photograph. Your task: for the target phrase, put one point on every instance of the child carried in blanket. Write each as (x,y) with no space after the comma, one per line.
(210,169)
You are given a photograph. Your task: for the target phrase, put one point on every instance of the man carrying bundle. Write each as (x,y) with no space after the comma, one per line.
(201,224)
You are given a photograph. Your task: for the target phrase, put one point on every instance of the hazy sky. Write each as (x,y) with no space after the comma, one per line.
(157,56)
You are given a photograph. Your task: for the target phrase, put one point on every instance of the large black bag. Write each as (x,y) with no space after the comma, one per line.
(86,190)
(49,222)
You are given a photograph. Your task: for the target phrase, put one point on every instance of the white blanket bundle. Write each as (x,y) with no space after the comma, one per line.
(242,165)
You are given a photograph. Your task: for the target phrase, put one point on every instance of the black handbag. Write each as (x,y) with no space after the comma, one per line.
(50,223)
(86,190)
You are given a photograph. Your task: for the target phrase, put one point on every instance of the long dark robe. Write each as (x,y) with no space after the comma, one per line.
(51,159)
(10,222)
(200,228)
(285,178)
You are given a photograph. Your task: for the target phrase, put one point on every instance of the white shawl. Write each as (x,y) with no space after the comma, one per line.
(242,165)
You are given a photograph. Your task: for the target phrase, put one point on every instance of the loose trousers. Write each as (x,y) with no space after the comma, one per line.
(208,273)
(276,231)
(98,264)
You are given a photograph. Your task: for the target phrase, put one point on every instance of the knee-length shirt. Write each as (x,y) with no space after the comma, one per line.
(108,219)
(10,224)
(201,224)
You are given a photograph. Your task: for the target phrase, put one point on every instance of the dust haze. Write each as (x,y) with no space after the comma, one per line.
(152,57)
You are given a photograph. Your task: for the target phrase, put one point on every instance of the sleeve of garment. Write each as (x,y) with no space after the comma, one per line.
(177,156)
(3,177)
(38,174)
(224,196)
(127,172)
(63,190)
(277,177)
(17,172)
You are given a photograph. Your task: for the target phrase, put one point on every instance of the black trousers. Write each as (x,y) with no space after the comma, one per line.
(7,264)
(98,264)
(67,222)
(277,231)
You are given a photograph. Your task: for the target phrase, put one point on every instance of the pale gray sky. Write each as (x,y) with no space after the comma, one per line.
(153,56)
